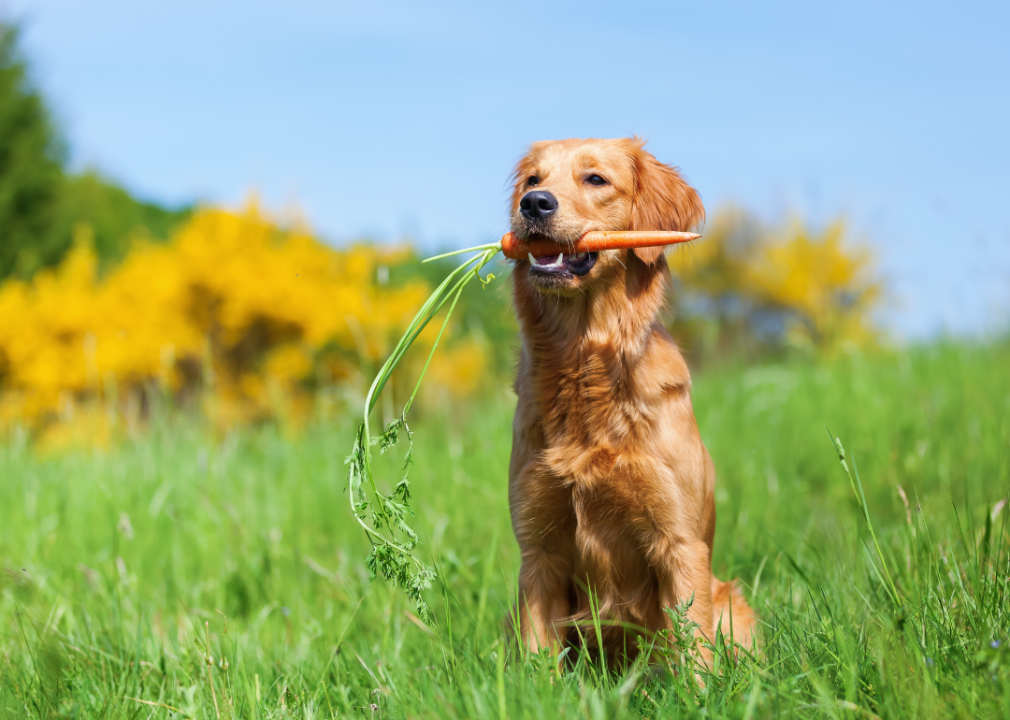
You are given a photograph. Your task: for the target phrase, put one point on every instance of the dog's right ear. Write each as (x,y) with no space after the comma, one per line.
(663,200)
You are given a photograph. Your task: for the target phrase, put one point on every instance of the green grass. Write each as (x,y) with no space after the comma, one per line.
(119,565)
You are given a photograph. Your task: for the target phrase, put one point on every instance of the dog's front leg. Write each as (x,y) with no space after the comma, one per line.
(684,572)
(544,606)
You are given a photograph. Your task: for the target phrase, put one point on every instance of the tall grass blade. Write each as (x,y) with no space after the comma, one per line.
(857,489)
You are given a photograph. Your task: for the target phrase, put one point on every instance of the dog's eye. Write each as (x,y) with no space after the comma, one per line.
(596,180)
(533,180)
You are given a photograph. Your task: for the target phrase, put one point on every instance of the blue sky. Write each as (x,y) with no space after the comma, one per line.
(393,119)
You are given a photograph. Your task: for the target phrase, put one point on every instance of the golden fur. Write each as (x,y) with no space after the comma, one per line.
(610,485)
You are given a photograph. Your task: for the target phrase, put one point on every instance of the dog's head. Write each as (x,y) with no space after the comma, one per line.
(565,188)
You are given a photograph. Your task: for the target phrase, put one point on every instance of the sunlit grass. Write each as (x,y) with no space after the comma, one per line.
(118,566)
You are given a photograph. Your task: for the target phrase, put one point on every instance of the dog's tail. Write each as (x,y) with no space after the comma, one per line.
(732,613)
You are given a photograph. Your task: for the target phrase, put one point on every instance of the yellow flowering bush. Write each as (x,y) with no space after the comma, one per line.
(828,288)
(799,287)
(234,311)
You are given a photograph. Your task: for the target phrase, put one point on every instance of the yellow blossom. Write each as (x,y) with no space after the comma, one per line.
(234,306)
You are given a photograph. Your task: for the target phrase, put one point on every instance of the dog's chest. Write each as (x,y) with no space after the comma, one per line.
(592,430)
(592,395)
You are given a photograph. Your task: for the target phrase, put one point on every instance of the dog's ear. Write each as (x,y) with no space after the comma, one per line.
(663,200)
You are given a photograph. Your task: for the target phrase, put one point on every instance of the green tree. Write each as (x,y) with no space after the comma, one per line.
(111,213)
(31,155)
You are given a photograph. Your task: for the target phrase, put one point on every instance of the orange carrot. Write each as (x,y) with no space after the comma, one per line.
(516,249)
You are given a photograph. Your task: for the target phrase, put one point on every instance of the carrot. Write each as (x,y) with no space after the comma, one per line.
(517,249)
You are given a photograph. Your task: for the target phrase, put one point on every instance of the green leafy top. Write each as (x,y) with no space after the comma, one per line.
(383,517)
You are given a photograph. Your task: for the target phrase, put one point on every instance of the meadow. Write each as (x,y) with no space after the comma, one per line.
(192,572)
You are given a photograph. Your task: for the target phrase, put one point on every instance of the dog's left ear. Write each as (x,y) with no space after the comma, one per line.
(663,201)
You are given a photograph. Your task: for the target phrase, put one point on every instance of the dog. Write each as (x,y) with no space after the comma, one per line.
(610,486)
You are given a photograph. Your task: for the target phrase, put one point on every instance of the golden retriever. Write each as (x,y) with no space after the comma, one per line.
(610,486)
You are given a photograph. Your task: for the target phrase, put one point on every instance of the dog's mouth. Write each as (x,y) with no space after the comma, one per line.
(561,266)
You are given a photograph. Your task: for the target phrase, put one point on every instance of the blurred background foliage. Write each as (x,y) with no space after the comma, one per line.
(112,307)
(233,316)
(753,289)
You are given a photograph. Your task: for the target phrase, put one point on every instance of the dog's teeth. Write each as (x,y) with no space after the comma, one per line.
(561,257)
(580,256)
(533,260)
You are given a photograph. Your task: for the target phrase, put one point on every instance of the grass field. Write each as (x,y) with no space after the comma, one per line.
(120,566)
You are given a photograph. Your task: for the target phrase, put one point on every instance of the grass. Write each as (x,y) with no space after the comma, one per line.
(180,576)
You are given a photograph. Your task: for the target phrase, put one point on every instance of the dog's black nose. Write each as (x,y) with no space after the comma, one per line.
(538,205)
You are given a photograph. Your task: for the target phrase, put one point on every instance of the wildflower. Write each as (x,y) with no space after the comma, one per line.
(994,644)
